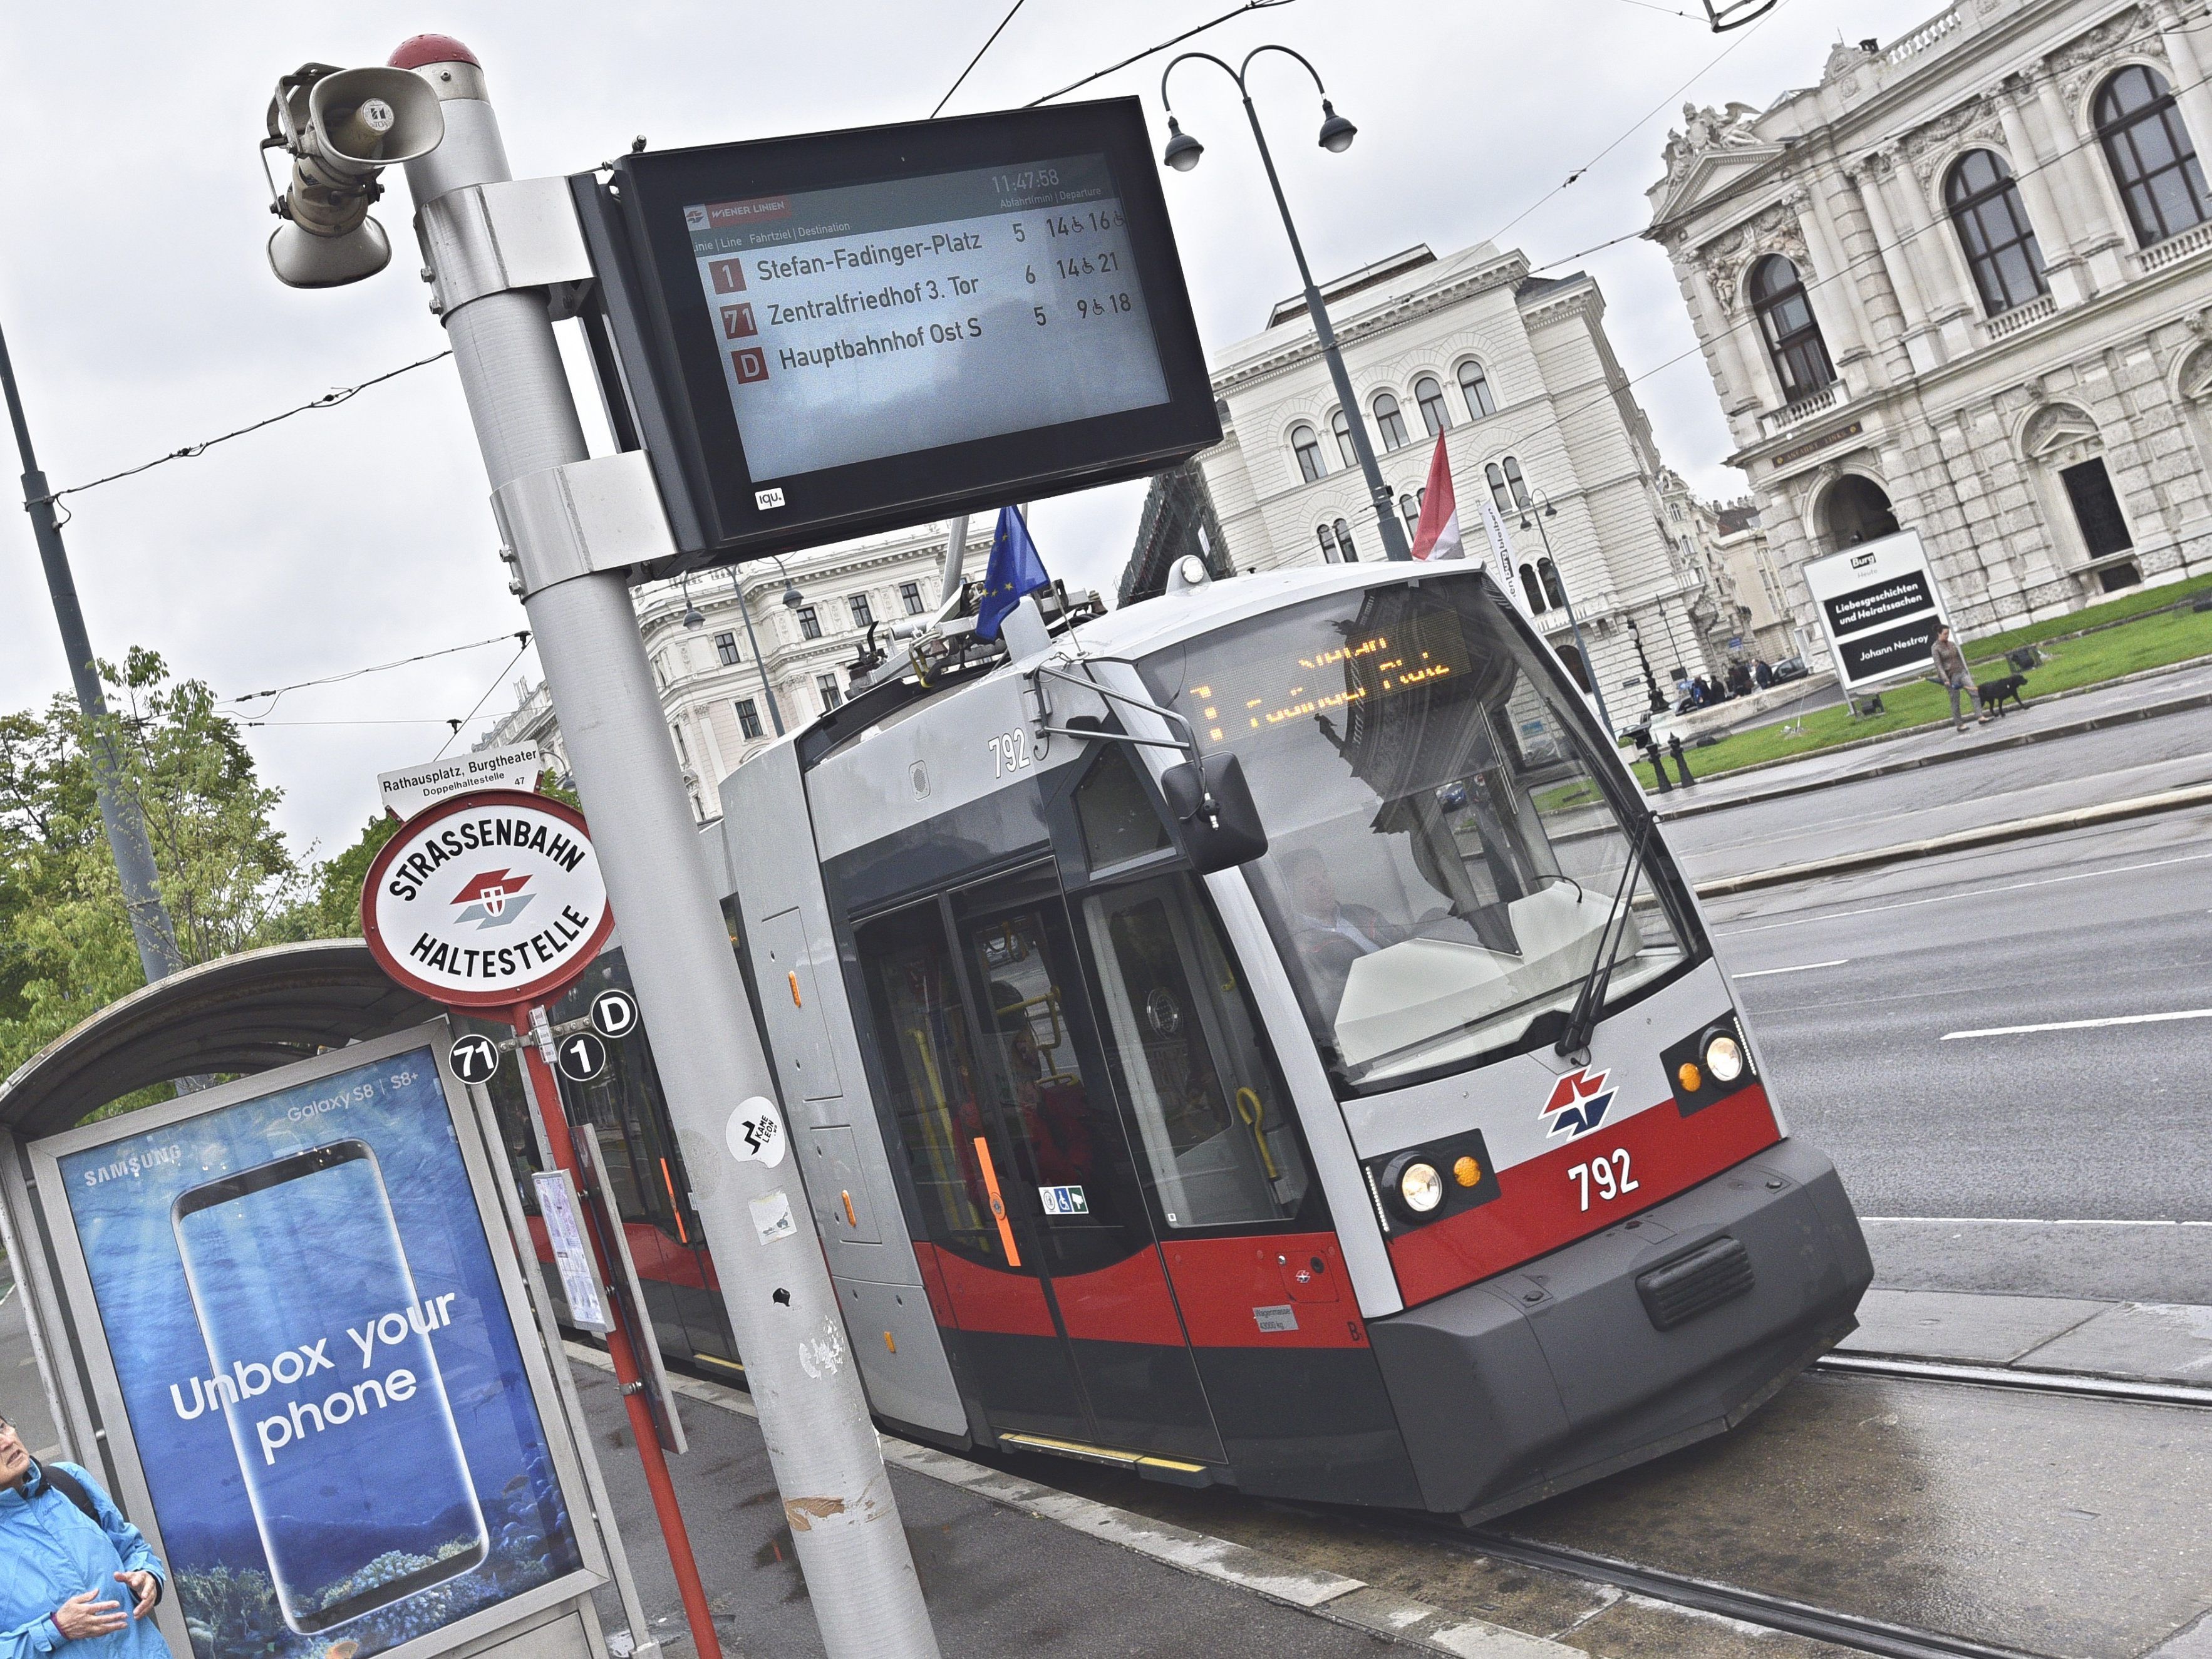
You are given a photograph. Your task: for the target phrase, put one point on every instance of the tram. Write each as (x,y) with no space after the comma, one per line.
(1258,1037)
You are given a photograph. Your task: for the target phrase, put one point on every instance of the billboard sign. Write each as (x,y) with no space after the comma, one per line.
(487,900)
(1879,607)
(821,336)
(313,1337)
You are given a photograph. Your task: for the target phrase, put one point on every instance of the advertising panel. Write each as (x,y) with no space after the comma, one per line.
(820,336)
(317,1358)
(1879,607)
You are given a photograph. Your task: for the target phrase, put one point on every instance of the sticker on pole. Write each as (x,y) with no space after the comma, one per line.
(755,1132)
(487,900)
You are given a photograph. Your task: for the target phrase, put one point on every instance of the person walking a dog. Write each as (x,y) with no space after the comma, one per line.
(1951,668)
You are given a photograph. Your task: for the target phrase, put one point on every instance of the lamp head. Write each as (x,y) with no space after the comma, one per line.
(1183,150)
(792,598)
(694,617)
(1336,132)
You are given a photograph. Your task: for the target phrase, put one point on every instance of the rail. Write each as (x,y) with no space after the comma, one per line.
(1818,403)
(1935,30)
(2174,249)
(2008,323)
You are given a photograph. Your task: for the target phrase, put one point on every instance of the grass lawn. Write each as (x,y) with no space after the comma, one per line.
(2152,643)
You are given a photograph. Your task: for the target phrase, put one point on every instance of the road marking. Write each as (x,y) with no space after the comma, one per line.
(2024,1221)
(1973,892)
(2081,1024)
(1802,968)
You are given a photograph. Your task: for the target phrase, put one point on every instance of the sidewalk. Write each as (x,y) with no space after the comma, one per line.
(2067,713)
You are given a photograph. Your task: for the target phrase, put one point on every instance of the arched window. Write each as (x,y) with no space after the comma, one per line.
(1388,421)
(2152,159)
(1345,550)
(1342,427)
(1529,586)
(1410,510)
(1507,489)
(1476,386)
(1307,448)
(1429,393)
(1554,593)
(1328,546)
(1793,336)
(1993,228)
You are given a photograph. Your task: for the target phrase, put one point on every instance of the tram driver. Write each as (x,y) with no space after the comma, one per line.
(1331,934)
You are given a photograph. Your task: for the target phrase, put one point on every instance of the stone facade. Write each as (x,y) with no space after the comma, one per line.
(2042,416)
(710,685)
(1519,372)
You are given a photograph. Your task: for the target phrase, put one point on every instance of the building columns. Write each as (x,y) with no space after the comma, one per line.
(1721,329)
(1921,230)
(1842,323)
(2188,78)
(1922,345)
(2062,268)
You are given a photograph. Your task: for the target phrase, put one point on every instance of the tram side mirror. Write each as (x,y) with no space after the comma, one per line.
(1216,824)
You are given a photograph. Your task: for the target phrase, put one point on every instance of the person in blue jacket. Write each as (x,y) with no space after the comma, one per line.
(58,1562)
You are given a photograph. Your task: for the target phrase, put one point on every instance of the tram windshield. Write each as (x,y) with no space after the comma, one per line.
(1443,851)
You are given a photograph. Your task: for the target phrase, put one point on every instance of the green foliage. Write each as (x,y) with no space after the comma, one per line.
(334,912)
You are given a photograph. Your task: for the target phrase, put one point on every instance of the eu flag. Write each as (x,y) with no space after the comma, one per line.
(1014,572)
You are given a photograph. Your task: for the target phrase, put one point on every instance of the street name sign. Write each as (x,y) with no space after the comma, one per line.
(824,336)
(488,900)
(412,788)
(1878,606)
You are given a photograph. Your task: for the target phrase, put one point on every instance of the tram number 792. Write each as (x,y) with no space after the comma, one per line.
(1608,1174)
(1010,750)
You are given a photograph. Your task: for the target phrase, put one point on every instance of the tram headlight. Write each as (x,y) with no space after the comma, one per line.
(1420,1187)
(1725,1059)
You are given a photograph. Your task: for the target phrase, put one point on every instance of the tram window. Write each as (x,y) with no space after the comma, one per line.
(921,1031)
(1218,1147)
(1443,848)
(1117,817)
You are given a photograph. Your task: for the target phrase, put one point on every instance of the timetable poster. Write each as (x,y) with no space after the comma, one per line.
(876,320)
(320,1368)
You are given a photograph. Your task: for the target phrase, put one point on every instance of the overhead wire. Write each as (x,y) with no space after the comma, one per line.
(1174,41)
(977,59)
(277,693)
(461,724)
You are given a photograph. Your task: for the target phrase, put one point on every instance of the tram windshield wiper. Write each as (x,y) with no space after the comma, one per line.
(1582,1018)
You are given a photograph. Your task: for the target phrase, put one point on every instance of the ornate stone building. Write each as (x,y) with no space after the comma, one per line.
(811,614)
(1518,373)
(1961,285)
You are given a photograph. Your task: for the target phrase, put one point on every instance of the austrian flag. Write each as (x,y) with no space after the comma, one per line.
(1437,535)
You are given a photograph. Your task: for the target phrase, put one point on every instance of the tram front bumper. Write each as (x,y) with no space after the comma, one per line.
(1558,1372)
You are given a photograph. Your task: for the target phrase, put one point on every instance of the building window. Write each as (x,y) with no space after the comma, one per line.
(810,625)
(1474,385)
(862,616)
(1307,447)
(1507,487)
(2096,508)
(1341,426)
(1531,588)
(831,696)
(1328,546)
(1429,395)
(1410,510)
(726,647)
(1793,336)
(1993,228)
(910,597)
(749,721)
(1345,551)
(683,754)
(1548,573)
(1388,421)
(660,670)
(2152,159)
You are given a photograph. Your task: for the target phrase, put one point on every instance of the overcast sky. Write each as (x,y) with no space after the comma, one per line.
(142,314)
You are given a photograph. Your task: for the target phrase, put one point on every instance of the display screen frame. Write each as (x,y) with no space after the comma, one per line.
(659,362)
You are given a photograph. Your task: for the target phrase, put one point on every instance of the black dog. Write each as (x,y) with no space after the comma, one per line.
(1992,693)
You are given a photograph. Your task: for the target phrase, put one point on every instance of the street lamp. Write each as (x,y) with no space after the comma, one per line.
(1659,704)
(1589,668)
(694,617)
(1182,153)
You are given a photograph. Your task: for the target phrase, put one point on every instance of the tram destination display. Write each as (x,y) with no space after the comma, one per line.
(821,336)
(1879,607)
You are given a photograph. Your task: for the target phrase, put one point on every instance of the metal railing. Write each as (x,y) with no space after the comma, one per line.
(1818,403)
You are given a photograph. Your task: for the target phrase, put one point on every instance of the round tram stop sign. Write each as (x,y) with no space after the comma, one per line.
(487,900)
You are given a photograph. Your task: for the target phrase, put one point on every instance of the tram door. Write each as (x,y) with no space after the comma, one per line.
(1034,1228)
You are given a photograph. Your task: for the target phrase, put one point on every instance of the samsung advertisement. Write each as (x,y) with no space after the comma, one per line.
(314,1347)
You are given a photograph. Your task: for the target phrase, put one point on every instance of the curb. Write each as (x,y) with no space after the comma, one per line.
(1352,1602)
(2144,712)
(1987,835)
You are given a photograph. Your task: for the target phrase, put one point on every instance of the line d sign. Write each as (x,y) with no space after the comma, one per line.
(487,900)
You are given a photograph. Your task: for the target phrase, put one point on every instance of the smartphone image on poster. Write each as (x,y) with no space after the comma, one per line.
(352,1461)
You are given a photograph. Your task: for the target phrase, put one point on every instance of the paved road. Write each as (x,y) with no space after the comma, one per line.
(1861,990)
(2112,764)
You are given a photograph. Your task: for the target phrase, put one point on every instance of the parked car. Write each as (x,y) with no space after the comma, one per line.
(1789,668)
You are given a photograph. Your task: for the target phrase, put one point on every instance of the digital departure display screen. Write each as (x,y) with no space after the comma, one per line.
(820,336)
(1270,688)
(867,321)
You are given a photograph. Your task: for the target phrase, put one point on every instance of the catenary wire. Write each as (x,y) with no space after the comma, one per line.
(977,59)
(1174,41)
(275,693)
(461,725)
(328,400)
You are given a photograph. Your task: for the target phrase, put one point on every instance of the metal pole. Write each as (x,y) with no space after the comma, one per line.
(782,1307)
(158,955)
(1589,668)
(1386,517)
(745,610)
(555,1114)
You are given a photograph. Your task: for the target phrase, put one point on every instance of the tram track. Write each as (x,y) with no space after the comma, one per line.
(2075,1385)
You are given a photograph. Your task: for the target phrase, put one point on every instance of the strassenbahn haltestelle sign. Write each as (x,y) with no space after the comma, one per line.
(487,900)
